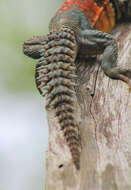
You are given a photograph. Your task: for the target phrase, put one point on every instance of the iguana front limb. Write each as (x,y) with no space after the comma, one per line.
(94,42)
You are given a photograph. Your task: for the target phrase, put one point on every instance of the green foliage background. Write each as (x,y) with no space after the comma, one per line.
(20,20)
(23,121)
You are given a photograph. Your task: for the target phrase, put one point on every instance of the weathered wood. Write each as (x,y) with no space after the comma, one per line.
(105,128)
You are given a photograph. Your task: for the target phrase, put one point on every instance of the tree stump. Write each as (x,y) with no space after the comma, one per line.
(103,112)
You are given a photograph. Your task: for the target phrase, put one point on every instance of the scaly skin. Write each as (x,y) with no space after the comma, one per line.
(55,79)
(73,34)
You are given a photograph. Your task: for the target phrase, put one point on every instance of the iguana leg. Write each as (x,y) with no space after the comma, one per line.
(94,42)
(32,47)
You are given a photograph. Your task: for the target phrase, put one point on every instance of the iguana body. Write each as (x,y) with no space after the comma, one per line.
(72,34)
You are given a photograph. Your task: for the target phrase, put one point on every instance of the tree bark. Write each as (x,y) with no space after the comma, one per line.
(104,118)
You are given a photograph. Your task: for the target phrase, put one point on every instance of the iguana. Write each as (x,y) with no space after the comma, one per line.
(79,28)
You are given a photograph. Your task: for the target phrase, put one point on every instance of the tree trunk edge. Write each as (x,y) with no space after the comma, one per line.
(105,129)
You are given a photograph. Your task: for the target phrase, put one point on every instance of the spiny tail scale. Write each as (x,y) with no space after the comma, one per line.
(55,79)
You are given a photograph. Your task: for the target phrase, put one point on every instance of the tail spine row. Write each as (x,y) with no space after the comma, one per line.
(55,79)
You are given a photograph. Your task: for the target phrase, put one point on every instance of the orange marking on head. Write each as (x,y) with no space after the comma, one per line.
(101,17)
(106,20)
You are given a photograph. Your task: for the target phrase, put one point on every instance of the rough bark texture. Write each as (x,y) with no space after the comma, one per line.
(105,129)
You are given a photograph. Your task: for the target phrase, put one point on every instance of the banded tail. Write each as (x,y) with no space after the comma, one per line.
(55,79)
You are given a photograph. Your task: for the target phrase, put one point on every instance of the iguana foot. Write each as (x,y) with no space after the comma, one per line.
(32,47)
(121,73)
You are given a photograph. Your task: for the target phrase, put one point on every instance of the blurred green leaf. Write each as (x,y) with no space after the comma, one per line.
(20,20)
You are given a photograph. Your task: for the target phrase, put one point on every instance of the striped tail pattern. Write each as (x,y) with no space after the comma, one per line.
(55,79)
